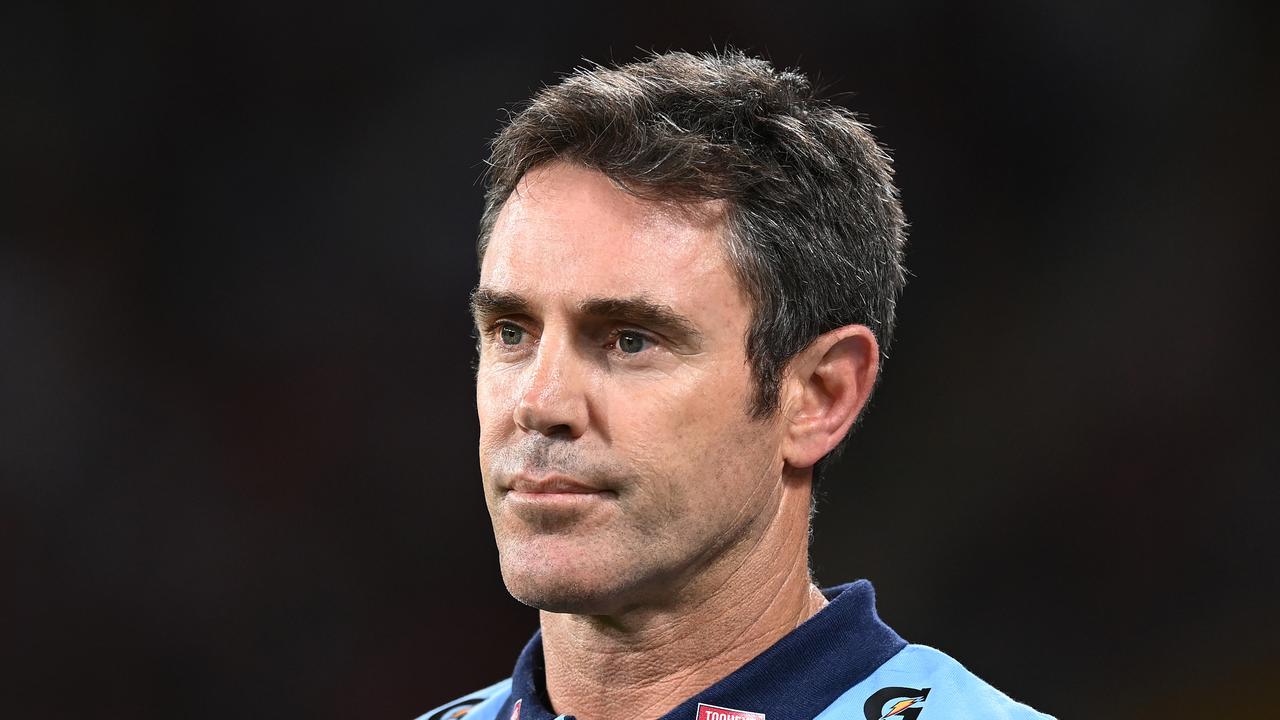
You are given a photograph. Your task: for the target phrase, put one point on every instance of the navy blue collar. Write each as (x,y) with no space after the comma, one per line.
(795,679)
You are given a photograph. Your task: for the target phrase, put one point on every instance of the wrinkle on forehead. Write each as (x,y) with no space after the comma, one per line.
(644,206)
(572,233)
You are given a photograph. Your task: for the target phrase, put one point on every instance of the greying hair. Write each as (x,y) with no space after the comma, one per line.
(815,229)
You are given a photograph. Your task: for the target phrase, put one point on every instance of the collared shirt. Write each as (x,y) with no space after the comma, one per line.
(843,663)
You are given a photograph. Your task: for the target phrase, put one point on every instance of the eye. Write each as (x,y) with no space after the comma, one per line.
(631,342)
(511,334)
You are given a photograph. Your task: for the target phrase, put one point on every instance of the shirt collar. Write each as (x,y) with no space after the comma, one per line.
(795,679)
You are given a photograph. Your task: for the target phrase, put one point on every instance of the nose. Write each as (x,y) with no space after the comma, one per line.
(553,400)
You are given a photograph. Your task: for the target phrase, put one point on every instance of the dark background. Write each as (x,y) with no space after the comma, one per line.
(237,434)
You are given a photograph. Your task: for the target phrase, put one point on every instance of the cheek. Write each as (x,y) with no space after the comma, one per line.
(496,391)
(714,406)
(494,408)
(734,445)
(698,431)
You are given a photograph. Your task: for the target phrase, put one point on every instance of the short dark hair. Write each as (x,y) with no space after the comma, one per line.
(816,231)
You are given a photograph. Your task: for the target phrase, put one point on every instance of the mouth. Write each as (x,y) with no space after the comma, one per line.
(554,490)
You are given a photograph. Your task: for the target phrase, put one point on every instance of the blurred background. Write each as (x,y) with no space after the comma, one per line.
(237,433)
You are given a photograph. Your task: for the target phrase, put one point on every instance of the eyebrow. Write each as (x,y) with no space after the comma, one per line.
(643,311)
(487,303)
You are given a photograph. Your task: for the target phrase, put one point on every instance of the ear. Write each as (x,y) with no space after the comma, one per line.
(824,389)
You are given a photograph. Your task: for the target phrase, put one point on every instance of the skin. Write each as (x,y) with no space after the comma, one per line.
(661,530)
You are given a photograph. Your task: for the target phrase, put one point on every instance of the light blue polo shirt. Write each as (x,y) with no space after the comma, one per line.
(844,663)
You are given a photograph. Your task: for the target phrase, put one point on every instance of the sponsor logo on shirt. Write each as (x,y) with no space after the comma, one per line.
(715,712)
(895,702)
(456,710)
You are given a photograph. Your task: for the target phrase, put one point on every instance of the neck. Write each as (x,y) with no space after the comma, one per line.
(644,662)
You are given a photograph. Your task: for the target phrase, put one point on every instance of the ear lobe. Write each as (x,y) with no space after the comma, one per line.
(829,383)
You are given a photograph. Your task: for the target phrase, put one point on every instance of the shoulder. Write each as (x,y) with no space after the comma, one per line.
(479,705)
(934,685)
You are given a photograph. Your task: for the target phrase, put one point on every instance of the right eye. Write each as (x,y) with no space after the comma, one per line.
(511,334)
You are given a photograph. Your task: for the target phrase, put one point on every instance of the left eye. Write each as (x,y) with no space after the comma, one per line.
(631,342)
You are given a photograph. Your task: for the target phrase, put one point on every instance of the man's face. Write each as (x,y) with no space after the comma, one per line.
(620,463)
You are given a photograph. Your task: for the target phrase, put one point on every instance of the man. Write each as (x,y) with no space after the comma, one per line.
(689,267)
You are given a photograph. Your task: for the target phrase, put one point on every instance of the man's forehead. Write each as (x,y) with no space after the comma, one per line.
(573,229)
(563,183)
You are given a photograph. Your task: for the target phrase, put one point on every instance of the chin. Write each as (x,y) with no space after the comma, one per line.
(555,583)
(559,599)
(558,595)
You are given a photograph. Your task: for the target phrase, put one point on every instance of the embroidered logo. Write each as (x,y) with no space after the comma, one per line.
(715,712)
(515,710)
(456,710)
(895,702)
